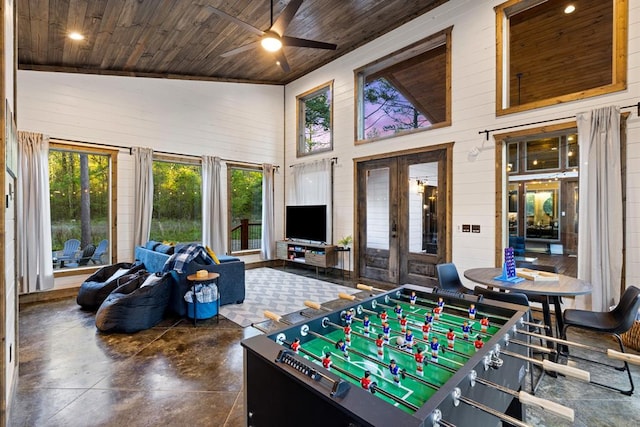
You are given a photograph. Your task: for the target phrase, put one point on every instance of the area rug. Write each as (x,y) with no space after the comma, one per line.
(279,292)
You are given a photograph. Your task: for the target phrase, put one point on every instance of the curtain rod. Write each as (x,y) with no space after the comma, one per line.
(333,160)
(487,131)
(168,153)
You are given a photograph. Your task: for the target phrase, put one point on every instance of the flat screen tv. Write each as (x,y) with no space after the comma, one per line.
(308,222)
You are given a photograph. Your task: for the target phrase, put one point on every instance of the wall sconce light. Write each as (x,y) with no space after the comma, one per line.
(421,185)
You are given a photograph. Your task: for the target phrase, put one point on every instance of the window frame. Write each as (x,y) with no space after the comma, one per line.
(230,167)
(441,38)
(300,119)
(619,57)
(112,226)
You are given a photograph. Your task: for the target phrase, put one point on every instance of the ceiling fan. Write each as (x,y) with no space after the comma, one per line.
(273,39)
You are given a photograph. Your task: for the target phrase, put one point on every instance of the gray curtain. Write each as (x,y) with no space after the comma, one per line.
(142,195)
(268,244)
(600,214)
(35,264)
(214,230)
(313,185)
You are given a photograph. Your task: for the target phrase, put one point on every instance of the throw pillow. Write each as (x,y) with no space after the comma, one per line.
(212,255)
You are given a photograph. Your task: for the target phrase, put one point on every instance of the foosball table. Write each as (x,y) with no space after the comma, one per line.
(406,357)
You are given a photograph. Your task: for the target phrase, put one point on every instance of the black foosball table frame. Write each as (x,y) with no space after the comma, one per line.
(282,388)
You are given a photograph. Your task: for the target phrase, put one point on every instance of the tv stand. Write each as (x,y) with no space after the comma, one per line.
(314,254)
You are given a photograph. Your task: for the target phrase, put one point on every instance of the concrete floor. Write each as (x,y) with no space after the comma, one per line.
(177,375)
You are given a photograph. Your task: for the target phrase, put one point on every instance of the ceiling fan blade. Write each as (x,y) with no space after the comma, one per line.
(285,17)
(294,41)
(281,60)
(240,49)
(236,21)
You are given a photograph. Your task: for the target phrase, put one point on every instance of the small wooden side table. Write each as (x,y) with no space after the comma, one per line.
(204,280)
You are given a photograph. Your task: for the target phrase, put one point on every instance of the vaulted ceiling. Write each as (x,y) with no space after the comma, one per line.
(186,38)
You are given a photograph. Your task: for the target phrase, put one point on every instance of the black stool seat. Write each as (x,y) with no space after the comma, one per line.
(595,321)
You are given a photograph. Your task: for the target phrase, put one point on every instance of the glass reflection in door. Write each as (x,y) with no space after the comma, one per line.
(423,208)
(378,208)
(542,207)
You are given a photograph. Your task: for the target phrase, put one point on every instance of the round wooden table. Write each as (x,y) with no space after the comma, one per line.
(194,279)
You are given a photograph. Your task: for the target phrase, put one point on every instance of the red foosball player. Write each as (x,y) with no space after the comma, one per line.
(425,330)
(436,312)
(413,298)
(419,357)
(466,330)
(408,340)
(428,318)
(383,315)
(366,382)
(386,331)
(395,371)
(366,325)
(295,345)
(326,360)
(484,324)
(478,343)
(398,311)
(472,311)
(403,323)
(342,346)
(380,345)
(347,335)
(451,337)
(435,347)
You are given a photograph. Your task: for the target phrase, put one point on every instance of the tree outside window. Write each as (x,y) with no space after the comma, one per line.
(245,215)
(315,111)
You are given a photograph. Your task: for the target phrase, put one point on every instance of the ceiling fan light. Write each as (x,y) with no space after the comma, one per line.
(270,43)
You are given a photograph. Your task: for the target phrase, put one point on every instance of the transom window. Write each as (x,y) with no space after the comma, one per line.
(315,120)
(177,201)
(245,208)
(405,91)
(548,53)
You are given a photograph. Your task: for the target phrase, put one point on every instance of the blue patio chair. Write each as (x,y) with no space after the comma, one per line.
(101,249)
(71,246)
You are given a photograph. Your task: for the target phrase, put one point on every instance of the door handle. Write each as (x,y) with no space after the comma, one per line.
(394,230)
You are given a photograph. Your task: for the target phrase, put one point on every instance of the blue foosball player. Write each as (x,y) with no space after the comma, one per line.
(366,325)
(435,348)
(395,371)
(466,330)
(342,346)
(413,298)
(398,311)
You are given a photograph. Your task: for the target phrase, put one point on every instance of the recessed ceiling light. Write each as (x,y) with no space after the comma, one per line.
(569,9)
(76,36)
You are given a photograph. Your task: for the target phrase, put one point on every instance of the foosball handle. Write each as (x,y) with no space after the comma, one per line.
(271,315)
(313,304)
(549,406)
(364,287)
(569,371)
(342,295)
(631,358)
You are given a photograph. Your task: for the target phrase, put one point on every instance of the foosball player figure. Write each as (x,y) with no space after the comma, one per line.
(395,371)
(383,315)
(451,337)
(295,345)
(398,311)
(366,325)
(348,317)
(403,324)
(342,346)
(466,330)
(326,360)
(379,346)
(478,342)
(441,303)
(435,347)
(472,311)
(437,312)
(347,335)
(419,357)
(413,298)
(408,340)
(484,324)
(425,330)
(428,318)
(386,330)
(367,383)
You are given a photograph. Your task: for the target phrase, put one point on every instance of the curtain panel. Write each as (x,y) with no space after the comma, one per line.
(214,230)
(268,244)
(142,195)
(313,185)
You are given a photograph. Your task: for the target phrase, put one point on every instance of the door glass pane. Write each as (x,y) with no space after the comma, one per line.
(542,210)
(423,208)
(378,208)
(543,154)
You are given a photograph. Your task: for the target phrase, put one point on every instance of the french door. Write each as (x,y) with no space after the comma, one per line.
(403,217)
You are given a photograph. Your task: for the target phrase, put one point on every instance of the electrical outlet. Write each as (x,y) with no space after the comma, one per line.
(466,228)
(475,228)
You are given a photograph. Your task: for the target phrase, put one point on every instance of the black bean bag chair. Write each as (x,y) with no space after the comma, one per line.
(100,284)
(136,305)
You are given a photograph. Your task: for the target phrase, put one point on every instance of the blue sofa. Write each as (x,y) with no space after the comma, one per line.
(230,282)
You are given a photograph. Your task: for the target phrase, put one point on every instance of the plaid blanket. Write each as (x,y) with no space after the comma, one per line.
(183,256)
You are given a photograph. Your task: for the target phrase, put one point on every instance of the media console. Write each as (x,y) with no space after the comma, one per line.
(316,255)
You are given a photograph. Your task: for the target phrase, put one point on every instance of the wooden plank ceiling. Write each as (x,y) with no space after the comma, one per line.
(184,38)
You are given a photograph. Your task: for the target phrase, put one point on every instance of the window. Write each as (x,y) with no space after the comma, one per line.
(177,201)
(245,208)
(543,154)
(513,164)
(584,54)
(406,91)
(81,189)
(315,118)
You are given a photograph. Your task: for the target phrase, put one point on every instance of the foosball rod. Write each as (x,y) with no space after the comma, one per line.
(548,365)
(611,353)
